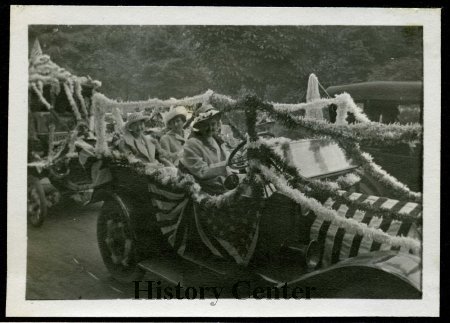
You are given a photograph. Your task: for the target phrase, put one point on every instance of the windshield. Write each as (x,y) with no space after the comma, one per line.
(318,157)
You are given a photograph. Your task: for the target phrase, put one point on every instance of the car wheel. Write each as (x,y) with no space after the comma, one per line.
(36,202)
(116,242)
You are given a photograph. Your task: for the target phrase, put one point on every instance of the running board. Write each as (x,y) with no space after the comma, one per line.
(172,271)
(179,270)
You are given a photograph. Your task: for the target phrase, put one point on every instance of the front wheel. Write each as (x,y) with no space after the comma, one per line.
(116,242)
(36,202)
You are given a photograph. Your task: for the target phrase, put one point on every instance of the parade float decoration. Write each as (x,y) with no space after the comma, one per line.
(228,224)
(60,135)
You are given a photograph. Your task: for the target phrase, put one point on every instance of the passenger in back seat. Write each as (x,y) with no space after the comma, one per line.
(140,148)
(174,139)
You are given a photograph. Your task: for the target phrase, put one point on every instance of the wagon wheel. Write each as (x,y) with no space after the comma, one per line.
(116,242)
(36,202)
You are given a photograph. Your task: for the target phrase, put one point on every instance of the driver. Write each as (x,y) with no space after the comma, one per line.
(204,155)
(141,148)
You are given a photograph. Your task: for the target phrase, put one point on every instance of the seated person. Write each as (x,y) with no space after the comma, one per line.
(141,148)
(172,142)
(204,154)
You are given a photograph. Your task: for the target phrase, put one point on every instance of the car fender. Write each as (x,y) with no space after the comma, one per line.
(375,267)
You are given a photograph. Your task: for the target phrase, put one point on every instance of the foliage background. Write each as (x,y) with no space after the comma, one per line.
(138,62)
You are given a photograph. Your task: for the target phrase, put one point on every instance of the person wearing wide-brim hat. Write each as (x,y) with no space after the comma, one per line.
(139,147)
(174,139)
(204,154)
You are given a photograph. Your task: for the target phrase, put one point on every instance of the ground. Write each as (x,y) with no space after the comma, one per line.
(64,261)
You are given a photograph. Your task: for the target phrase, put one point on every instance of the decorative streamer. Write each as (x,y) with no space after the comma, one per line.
(40,96)
(80,98)
(351,225)
(72,102)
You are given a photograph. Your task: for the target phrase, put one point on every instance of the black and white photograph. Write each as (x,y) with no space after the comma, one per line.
(236,165)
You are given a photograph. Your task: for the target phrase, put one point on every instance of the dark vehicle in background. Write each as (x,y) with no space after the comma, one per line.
(388,102)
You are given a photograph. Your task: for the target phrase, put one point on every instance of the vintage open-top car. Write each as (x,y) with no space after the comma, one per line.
(141,228)
(302,211)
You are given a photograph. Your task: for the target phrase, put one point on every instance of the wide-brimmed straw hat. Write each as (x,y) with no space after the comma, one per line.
(207,113)
(135,117)
(175,112)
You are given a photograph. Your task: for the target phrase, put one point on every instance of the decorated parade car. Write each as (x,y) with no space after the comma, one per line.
(306,210)
(303,194)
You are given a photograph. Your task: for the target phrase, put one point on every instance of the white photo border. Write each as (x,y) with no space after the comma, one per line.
(23,16)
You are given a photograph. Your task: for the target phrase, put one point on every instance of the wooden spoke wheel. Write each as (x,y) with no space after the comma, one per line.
(116,242)
(36,202)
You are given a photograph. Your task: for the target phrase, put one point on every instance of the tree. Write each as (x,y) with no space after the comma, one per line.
(137,62)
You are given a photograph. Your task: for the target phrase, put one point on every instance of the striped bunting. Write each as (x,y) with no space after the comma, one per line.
(338,244)
(171,207)
(228,232)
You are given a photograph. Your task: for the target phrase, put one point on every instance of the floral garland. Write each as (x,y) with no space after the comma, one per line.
(171,177)
(351,225)
(348,180)
(40,96)
(343,101)
(369,133)
(344,134)
(80,97)
(320,189)
(101,146)
(43,71)
(389,181)
(107,103)
(342,182)
(366,132)
(69,94)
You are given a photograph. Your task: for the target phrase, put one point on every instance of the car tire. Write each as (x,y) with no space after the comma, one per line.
(36,202)
(117,243)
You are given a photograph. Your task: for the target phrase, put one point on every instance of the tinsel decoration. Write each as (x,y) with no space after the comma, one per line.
(101,146)
(348,180)
(366,160)
(319,189)
(40,96)
(80,98)
(152,103)
(118,119)
(369,133)
(73,105)
(173,179)
(349,224)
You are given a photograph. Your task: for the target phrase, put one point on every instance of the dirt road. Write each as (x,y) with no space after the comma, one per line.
(63,260)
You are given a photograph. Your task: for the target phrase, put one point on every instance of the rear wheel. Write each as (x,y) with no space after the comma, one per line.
(36,202)
(116,242)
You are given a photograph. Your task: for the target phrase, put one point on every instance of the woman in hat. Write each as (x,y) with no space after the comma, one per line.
(139,147)
(172,142)
(204,154)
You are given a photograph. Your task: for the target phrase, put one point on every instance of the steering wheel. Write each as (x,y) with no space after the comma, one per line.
(238,157)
